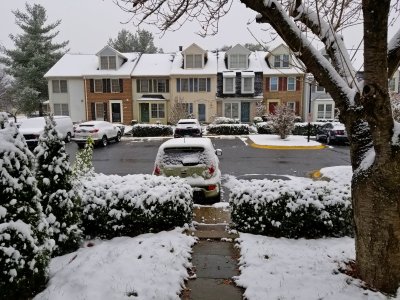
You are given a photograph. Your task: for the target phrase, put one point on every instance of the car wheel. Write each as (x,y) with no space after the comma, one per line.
(104,141)
(118,138)
(328,140)
(317,138)
(68,137)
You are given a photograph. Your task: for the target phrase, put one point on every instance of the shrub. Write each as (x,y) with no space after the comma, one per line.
(257,120)
(228,129)
(134,204)
(290,209)
(265,128)
(224,120)
(282,121)
(302,129)
(24,244)
(143,130)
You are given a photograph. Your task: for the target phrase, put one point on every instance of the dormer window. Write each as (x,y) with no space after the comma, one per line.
(108,63)
(194,61)
(281,61)
(238,61)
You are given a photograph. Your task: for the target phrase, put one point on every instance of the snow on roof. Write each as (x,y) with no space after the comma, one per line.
(79,65)
(210,67)
(155,64)
(254,63)
(267,70)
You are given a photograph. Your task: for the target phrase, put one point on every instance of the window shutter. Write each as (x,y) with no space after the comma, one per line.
(93,109)
(91,84)
(105,111)
(208,84)
(108,89)
(280,82)
(284,87)
(178,85)
(104,85)
(267,84)
(121,86)
(297,83)
(167,85)
(297,107)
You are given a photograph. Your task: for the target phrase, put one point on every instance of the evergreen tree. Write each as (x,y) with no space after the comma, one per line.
(83,166)
(34,54)
(60,202)
(142,41)
(24,244)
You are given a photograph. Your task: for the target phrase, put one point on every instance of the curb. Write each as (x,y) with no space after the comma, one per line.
(316,174)
(319,147)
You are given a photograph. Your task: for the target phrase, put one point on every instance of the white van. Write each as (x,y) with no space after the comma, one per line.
(32,128)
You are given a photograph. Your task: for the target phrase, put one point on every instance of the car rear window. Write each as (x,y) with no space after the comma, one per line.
(184,156)
(86,125)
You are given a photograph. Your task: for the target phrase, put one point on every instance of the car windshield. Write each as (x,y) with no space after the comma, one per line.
(184,156)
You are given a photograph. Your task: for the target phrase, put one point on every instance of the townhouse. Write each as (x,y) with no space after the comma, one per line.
(145,88)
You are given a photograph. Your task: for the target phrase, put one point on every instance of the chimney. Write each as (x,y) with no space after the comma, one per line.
(180,48)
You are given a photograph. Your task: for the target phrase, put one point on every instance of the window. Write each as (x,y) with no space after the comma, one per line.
(194,61)
(99,111)
(238,61)
(291,83)
(229,85)
(281,61)
(98,86)
(392,85)
(157,110)
(143,86)
(291,105)
(152,86)
(108,63)
(325,111)
(273,84)
(193,85)
(115,88)
(247,85)
(231,110)
(61,109)
(319,89)
(59,86)
(162,85)
(189,108)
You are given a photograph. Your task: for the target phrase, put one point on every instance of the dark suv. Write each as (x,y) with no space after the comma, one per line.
(332,133)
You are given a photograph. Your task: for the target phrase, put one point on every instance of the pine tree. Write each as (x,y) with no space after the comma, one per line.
(33,56)
(60,202)
(142,41)
(83,166)
(24,244)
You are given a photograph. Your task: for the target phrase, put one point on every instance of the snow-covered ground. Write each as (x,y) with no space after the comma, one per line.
(149,266)
(275,140)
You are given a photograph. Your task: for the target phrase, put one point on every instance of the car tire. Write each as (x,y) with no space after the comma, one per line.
(317,138)
(118,138)
(104,141)
(328,140)
(68,137)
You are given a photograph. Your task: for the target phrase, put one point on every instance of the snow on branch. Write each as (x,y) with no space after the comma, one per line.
(394,54)
(171,15)
(333,41)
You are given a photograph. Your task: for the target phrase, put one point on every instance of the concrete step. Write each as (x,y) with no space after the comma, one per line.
(212,234)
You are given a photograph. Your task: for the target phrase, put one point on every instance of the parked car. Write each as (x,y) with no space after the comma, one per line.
(100,131)
(195,160)
(188,127)
(332,133)
(32,128)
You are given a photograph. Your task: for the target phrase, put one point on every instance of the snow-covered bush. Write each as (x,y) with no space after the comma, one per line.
(24,244)
(129,205)
(83,165)
(224,120)
(228,129)
(282,120)
(395,101)
(302,128)
(60,202)
(143,130)
(291,209)
(265,128)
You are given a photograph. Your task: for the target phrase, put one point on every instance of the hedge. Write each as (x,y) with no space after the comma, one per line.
(224,120)
(299,128)
(291,209)
(130,205)
(228,129)
(143,130)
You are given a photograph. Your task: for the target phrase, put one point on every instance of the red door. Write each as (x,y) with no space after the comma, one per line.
(271,107)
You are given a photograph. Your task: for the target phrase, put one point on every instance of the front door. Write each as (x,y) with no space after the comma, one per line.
(202,112)
(144,113)
(116,116)
(271,107)
(245,112)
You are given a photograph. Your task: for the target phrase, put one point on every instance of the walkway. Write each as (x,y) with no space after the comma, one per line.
(214,257)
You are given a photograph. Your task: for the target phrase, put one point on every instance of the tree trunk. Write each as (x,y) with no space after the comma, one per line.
(376,204)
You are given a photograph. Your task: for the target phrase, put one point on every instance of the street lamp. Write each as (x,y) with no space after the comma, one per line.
(309,113)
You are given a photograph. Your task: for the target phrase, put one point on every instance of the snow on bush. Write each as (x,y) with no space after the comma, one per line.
(265,128)
(129,205)
(60,202)
(292,209)
(224,120)
(143,130)
(24,243)
(228,129)
(282,120)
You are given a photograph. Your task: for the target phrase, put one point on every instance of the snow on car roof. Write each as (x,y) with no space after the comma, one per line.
(187,142)
(187,121)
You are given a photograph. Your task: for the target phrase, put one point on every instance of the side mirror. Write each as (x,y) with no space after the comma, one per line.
(218,152)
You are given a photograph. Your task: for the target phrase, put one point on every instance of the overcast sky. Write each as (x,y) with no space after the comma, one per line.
(88,24)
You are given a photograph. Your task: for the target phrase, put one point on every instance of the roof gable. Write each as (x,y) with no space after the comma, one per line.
(194,49)
(238,49)
(109,51)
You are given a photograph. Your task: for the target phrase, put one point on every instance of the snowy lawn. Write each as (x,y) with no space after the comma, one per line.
(275,140)
(149,266)
(340,174)
(282,268)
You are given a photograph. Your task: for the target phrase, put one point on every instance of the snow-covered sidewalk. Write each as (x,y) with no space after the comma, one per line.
(290,141)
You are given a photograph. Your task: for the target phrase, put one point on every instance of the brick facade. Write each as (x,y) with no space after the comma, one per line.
(125,97)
